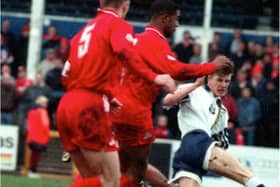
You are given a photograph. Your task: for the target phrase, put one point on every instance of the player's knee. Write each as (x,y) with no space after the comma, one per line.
(188,182)
(217,161)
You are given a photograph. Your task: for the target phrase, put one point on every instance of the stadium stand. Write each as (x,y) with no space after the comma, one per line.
(225,13)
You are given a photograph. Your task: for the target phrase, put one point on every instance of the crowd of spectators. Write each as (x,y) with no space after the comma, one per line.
(18,93)
(225,13)
(252,101)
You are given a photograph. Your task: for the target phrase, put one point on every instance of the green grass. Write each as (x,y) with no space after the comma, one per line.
(19,181)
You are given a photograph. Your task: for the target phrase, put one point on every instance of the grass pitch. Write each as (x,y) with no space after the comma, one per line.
(20,181)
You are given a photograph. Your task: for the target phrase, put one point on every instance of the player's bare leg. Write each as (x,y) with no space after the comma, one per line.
(221,162)
(155,177)
(187,182)
(81,164)
(102,164)
(134,161)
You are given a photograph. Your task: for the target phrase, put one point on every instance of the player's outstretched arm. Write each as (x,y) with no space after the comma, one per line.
(166,62)
(165,81)
(181,92)
(182,71)
(123,43)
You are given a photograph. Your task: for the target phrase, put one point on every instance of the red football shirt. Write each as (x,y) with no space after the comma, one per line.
(98,52)
(136,94)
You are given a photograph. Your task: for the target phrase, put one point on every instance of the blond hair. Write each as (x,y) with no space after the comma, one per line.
(41,100)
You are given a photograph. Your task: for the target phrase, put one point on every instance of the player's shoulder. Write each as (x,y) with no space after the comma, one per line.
(149,37)
(121,23)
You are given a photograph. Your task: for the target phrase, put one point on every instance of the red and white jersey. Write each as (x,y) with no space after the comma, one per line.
(98,52)
(136,94)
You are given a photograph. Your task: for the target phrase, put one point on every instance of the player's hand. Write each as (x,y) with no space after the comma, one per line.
(166,81)
(222,62)
(115,105)
(199,81)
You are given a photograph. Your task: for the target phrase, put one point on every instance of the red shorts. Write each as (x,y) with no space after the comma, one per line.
(132,135)
(83,121)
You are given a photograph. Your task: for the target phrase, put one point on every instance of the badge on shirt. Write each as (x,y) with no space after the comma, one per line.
(212,108)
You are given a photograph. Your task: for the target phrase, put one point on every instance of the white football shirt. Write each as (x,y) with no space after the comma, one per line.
(200,110)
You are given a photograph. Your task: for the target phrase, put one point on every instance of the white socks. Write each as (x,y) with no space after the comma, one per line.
(253,182)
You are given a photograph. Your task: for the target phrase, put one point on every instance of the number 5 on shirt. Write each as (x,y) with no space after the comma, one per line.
(84,41)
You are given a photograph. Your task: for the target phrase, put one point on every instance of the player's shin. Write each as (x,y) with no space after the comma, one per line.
(155,177)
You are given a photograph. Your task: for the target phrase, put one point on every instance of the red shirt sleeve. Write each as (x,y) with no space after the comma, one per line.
(164,61)
(123,43)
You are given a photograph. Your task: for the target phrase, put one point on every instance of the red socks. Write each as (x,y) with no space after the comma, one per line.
(127,182)
(87,182)
(95,182)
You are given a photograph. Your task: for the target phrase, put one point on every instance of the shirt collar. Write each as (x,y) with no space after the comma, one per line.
(156,30)
(109,11)
(206,87)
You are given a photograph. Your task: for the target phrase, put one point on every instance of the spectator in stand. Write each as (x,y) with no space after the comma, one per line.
(63,49)
(275,54)
(259,51)
(236,39)
(239,83)
(48,63)
(251,51)
(6,55)
(184,50)
(247,66)
(161,130)
(269,45)
(239,56)
(269,129)
(6,69)
(249,115)
(196,57)
(22,82)
(275,70)
(51,39)
(53,75)
(215,48)
(231,105)
(275,61)
(22,45)
(37,89)
(8,34)
(51,81)
(267,66)
(8,100)
(38,132)
(257,79)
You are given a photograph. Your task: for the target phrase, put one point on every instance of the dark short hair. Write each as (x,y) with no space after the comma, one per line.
(113,3)
(160,7)
(229,69)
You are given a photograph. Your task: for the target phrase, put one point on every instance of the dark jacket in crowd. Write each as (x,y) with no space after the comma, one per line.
(9,98)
